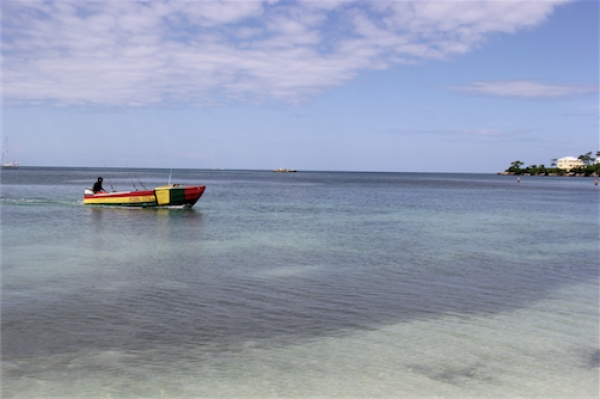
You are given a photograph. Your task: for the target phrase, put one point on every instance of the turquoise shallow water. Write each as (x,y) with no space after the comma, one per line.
(309,284)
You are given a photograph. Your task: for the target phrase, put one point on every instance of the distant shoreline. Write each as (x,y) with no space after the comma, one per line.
(565,174)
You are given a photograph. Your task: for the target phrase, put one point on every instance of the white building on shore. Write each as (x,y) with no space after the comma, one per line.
(568,163)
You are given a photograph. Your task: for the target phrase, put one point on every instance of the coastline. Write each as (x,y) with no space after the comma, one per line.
(565,174)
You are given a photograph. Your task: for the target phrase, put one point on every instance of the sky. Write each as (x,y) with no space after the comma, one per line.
(341,85)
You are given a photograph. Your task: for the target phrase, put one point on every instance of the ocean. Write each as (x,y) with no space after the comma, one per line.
(300,285)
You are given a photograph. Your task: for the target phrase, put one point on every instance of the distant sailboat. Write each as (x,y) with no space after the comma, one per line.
(6,162)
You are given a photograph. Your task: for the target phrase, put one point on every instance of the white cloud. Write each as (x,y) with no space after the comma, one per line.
(118,53)
(525,89)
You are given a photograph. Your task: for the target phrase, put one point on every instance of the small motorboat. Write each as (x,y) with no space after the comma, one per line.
(284,170)
(171,195)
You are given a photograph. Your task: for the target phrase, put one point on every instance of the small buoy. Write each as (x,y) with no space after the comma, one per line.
(595,182)
(518,180)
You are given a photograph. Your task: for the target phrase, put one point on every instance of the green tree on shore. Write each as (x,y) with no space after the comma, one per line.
(515,166)
(586,158)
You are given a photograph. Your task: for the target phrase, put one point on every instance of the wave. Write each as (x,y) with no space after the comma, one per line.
(37,201)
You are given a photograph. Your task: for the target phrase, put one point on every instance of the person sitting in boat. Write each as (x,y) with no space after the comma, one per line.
(98,186)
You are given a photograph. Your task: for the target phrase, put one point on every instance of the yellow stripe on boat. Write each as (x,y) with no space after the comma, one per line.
(120,200)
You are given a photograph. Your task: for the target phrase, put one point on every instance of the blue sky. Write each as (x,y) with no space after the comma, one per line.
(443,86)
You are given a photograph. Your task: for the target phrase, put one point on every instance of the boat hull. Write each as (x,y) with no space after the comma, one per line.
(173,195)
